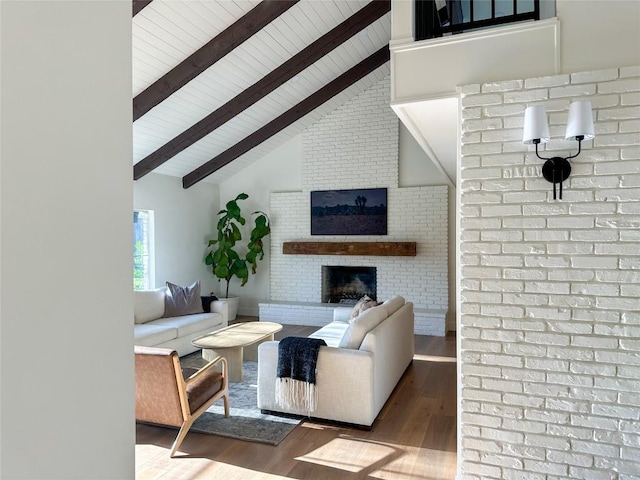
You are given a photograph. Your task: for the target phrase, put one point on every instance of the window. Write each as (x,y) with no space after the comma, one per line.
(435,18)
(143,274)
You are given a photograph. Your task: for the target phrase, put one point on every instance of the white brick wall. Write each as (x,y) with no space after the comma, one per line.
(297,313)
(356,146)
(550,355)
(430,322)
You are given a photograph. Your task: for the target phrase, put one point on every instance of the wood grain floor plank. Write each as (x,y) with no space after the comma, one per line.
(413,438)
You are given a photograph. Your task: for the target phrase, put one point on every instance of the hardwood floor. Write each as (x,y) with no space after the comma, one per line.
(414,436)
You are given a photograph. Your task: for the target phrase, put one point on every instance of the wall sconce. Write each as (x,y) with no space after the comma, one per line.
(536,130)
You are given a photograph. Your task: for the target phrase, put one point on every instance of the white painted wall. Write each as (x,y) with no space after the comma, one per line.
(66,351)
(415,168)
(582,39)
(598,34)
(184,221)
(278,171)
(550,299)
(433,68)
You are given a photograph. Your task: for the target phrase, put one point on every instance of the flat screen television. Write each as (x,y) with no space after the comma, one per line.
(349,212)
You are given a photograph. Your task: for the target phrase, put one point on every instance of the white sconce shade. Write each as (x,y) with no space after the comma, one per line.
(580,122)
(536,128)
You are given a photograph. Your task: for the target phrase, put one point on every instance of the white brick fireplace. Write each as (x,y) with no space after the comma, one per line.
(356,146)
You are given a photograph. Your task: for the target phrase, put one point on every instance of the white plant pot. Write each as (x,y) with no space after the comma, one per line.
(233,303)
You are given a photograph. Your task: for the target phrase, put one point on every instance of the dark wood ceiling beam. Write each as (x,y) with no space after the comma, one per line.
(289,69)
(138,5)
(292,115)
(256,19)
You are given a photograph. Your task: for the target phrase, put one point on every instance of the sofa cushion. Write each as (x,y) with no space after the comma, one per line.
(182,300)
(149,335)
(188,324)
(393,304)
(148,305)
(331,333)
(361,305)
(361,325)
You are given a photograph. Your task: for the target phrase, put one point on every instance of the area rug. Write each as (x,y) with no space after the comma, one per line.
(245,421)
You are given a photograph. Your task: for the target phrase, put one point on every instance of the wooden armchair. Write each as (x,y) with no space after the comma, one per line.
(169,395)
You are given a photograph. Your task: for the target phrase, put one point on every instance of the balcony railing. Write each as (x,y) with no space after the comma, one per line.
(437,18)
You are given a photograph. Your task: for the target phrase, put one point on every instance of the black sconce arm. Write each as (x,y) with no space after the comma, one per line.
(557,169)
(579,138)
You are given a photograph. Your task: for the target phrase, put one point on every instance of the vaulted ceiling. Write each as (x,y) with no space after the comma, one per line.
(217,84)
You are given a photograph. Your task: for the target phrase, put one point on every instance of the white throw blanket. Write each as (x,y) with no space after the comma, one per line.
(296,395)
(296,378)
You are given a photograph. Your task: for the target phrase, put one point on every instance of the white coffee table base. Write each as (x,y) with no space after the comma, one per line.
(235,342)
(235,356)
(234,360)
(251,351)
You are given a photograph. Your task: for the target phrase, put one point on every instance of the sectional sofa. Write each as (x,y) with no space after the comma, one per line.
(358,369)
(153,329)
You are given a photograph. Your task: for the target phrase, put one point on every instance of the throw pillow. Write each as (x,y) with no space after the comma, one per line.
(182,300)
(361,325)
(361,305)
(206,302)
(148,305)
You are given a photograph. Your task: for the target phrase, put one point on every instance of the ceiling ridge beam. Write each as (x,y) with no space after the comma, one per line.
(138,5)
(292,115)
(246,26)
(286,71)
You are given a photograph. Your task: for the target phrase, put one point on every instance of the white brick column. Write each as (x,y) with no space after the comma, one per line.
(550,290)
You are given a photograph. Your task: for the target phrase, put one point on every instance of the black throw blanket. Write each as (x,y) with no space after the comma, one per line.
(297,361)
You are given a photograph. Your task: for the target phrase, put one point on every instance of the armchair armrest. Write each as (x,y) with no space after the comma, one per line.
(204,384)
(223,308)
(203,370)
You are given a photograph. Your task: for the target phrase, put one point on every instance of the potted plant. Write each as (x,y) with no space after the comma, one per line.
(226,255)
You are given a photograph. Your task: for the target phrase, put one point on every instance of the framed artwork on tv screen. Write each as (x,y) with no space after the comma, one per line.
(349,212)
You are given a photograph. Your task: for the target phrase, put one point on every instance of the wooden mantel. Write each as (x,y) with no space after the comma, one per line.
(380,249)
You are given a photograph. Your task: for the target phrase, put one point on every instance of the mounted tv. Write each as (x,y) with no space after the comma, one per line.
(349,212)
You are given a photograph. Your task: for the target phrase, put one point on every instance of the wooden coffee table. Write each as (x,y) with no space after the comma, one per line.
(236,343)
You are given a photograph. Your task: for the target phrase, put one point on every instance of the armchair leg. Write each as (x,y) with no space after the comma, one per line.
(225,399)
(180,437)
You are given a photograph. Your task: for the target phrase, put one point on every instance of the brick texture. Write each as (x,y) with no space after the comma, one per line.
(550,356)
(356,146)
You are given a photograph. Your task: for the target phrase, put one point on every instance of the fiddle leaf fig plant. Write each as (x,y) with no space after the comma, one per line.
(224,257)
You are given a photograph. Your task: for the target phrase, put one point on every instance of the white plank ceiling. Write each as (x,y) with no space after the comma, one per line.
(167,32)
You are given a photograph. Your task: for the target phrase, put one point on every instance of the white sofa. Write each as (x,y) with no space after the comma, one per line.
(152,329)
(353,383)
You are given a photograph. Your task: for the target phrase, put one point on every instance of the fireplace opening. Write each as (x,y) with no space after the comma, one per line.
(347,285)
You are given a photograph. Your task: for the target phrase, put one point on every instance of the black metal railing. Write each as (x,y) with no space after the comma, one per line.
(436,18)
